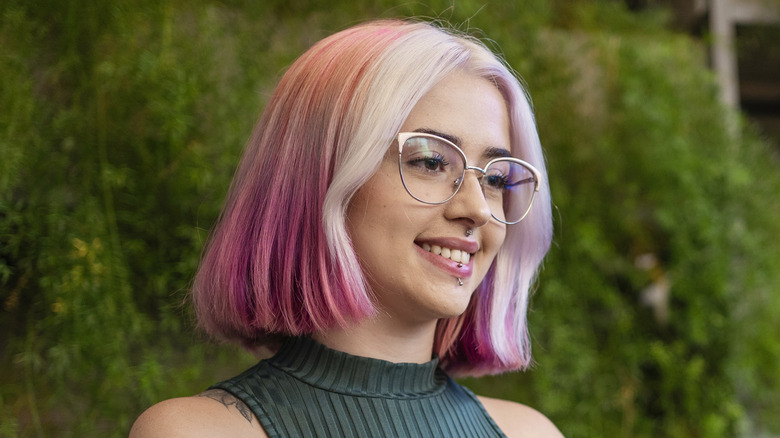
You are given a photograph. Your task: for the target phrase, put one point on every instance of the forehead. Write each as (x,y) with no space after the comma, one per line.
(464,107)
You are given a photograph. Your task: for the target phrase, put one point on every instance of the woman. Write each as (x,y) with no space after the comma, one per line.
(384,226)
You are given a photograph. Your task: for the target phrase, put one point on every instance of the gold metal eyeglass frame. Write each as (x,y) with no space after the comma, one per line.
(404,136)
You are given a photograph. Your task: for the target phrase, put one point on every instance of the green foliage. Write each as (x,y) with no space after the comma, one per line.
(123,121)
(641,321)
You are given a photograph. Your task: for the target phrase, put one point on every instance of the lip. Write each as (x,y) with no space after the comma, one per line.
(468,245)
(449,266)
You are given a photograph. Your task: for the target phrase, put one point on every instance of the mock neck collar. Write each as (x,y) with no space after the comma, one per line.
(332,370)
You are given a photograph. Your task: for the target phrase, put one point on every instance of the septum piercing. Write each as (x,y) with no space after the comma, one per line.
(460,282)
(469,232)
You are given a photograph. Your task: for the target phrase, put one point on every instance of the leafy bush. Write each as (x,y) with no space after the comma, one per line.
(122,123)
(645,317)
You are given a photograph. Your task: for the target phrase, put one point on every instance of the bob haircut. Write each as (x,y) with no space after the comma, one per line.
(280,262)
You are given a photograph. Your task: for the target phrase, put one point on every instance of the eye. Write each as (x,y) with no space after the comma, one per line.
(433,163)
(496,181)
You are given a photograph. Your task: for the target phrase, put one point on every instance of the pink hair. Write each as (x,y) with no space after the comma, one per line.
(279,261)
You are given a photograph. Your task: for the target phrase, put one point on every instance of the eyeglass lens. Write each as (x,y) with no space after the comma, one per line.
(432,171)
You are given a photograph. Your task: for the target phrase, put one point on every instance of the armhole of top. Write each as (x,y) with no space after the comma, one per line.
(258,410)
(481,407)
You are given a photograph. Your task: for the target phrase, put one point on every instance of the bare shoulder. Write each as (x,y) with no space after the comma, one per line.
(214,413)
(518,420)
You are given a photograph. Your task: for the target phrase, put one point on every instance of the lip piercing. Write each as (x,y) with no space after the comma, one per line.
(460,282)
(469,232)
(460,265)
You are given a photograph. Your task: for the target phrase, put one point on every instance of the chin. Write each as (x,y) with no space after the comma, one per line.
(454,308)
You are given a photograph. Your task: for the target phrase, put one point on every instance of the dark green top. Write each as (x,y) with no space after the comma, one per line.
(309,390)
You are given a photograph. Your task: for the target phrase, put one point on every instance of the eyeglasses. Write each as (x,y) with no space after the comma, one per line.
(432,171)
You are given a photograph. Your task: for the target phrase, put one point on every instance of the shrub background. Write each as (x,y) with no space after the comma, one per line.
(121,123)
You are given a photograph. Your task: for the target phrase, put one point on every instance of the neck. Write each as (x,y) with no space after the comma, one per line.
(382,338)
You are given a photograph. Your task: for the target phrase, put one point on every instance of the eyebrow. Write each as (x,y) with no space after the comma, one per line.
(452,138)
(488,153)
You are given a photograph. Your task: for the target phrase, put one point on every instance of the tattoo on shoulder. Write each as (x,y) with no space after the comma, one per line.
(227,399)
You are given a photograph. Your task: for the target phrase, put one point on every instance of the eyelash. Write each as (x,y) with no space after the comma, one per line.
(504,181)
(441,162)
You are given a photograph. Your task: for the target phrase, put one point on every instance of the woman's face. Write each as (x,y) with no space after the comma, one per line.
(391,231)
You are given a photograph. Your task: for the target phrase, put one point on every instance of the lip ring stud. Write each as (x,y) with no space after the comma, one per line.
(460,282)
(469,232)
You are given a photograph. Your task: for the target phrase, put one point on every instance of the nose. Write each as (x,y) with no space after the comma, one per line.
(470,203)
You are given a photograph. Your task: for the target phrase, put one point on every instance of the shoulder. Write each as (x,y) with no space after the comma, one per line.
(518,420)
(214,413)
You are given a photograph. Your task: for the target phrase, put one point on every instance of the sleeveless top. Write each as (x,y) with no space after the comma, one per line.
(309,390)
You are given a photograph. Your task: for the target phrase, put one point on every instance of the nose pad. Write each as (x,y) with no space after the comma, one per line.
(470,200)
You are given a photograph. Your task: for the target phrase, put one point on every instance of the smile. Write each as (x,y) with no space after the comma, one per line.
(455,255)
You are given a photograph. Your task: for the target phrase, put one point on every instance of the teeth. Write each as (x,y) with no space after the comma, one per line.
(455,255)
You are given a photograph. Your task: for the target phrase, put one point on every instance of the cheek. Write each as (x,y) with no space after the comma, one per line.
(494,238)
(367,214)
(380,207)
(359,218)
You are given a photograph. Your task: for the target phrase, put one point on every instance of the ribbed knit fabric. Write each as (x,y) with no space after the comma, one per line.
(309,390)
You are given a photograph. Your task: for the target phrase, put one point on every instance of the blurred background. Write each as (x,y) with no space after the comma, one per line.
(658,309)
